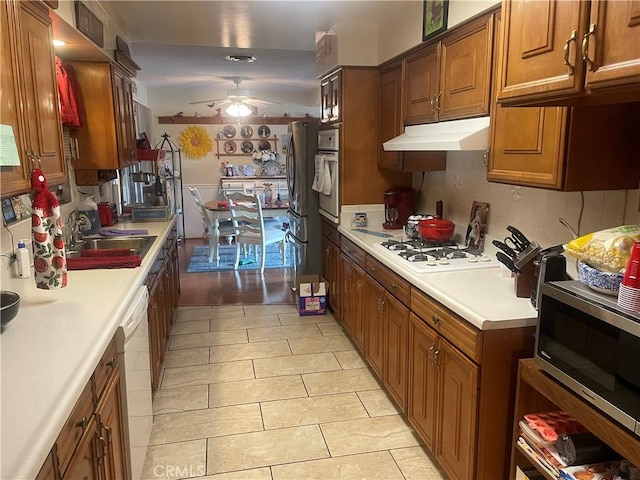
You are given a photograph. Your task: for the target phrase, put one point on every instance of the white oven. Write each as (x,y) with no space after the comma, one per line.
(328,147)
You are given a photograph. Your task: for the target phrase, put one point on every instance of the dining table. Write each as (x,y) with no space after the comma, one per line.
(220,211)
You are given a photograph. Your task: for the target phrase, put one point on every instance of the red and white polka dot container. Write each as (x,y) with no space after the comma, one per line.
(629,293)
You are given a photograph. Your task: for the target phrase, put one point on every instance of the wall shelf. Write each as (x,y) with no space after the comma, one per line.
(225,120)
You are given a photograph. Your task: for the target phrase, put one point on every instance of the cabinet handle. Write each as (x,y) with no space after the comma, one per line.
(435,319)
(437,100)
(394,287)
(430,353)
(585,47)
(373,269)
(112,363)
(432,102)
(358,284)
(82,424)
(435,358)
(565,52)
(351,251)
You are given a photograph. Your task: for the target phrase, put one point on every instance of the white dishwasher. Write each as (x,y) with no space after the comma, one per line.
(133,353)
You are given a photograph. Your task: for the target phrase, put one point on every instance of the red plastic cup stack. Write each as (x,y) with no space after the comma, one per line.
(629,293)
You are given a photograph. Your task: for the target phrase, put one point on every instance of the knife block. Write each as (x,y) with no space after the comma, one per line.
(524,280)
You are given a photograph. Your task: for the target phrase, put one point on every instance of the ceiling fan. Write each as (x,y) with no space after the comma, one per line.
(239,101)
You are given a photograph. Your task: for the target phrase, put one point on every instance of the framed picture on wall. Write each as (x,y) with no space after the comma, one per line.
(434,17)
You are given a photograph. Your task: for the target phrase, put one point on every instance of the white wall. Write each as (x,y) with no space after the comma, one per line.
(534,211)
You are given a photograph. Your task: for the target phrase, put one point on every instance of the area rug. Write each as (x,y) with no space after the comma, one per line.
(199,261)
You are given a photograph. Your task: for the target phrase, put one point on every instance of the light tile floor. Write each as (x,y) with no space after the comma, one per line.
(259,393)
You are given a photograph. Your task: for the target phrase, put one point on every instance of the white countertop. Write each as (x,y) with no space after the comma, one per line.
(484,297)
(49,351)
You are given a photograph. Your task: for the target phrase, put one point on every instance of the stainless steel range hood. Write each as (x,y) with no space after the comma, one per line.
(468,134)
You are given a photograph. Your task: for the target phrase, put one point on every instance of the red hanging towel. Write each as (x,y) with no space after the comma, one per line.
(68,99)
(49,258)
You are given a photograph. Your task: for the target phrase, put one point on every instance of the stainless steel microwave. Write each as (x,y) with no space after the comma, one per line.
(591,345)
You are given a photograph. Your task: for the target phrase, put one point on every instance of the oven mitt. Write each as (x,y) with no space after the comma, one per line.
(49,258)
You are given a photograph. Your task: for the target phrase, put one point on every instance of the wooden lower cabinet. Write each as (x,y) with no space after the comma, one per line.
(374,326)
(48,470)
(396,350)
(353,298)
(86,463)
(331,274)
(110,415)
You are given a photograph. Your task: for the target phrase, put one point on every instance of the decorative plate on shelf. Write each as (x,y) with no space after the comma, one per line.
(230,147)
(264,145)
(264,131)
(246,147)
(246,131)
(248,170)
(271,169)
(229,131)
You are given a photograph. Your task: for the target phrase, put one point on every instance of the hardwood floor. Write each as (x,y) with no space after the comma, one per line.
(230,287)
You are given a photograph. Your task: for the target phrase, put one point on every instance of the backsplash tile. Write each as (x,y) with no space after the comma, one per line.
(534,211)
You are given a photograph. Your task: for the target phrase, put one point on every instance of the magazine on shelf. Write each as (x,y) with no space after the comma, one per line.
(601,471)
(539,458)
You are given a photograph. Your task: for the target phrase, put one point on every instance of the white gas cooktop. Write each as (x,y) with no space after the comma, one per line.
(421,256)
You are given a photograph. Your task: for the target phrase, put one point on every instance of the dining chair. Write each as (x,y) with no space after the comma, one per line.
(224,228)
(250,229)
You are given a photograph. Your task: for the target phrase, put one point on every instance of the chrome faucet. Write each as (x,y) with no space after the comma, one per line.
(72,232)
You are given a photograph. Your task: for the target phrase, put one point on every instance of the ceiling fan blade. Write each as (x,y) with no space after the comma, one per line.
(257,101)
(215,100)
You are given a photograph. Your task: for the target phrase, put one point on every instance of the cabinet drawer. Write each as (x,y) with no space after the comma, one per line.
(353,251)
(463,336)
(105,368)
(74,427)
(395,284)
(332,233)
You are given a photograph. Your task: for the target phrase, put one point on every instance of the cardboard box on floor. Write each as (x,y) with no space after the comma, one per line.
(311,295)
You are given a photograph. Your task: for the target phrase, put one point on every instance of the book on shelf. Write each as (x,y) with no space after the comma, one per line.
(616,470)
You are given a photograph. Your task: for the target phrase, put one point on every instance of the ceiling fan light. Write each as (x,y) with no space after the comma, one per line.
(238,110)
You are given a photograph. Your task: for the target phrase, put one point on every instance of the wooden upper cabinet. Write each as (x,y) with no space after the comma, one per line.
(451,79)
(554,147)
(106,138)
(556,52)
(331,93)
(422,85)
(612,49)
(390,113)
(30,94)
(465,81)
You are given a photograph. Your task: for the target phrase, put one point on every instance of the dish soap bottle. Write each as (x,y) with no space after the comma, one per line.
(88,218)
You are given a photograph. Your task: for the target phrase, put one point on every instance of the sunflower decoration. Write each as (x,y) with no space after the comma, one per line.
(195,142)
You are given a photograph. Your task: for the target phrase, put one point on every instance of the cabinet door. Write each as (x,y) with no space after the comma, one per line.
(374,327)
(422,86)
(528,146)
(111,418)
(47,471)
(422,380)
(325,98)
(347,297)
(457,411)
(40,100)
(14,179)
(541,50)
(336,96)
(87,461)
(396,350)
(154,334)
(466,71)
(360,307)
(330,272)
(390,114)
(125,130)
(613,48)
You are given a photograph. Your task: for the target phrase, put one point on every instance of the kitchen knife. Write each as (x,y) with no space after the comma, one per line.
(507,262)
(522,241)
(506,249)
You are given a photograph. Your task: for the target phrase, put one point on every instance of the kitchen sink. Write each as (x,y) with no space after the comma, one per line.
(136,245)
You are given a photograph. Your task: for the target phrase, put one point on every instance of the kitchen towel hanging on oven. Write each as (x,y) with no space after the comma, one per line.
(322,179)
(49,257)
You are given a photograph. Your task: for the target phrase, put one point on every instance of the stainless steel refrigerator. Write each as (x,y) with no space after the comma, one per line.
(304,232)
